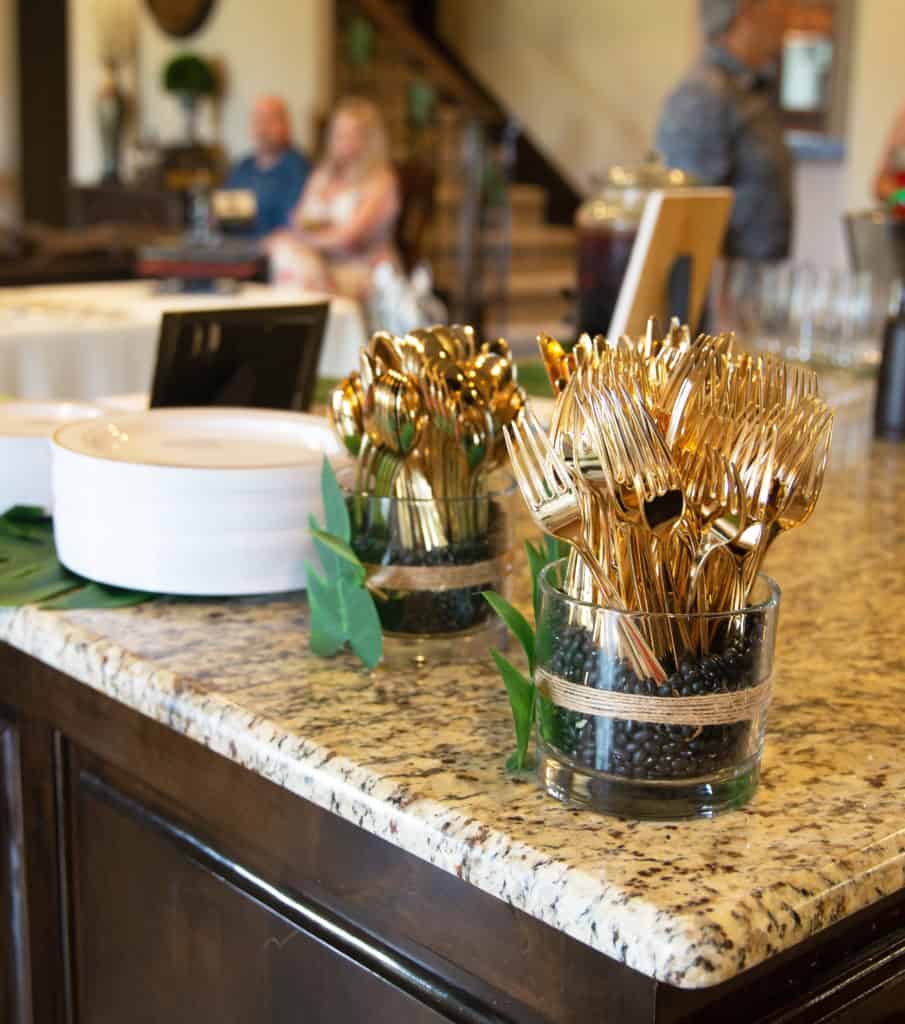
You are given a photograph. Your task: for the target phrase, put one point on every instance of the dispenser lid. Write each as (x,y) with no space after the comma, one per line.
(649,174)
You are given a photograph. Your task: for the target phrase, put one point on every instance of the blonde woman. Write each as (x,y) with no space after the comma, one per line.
(342,226)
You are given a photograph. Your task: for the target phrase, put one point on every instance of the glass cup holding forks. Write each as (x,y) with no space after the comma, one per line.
(689,746)
(429,560)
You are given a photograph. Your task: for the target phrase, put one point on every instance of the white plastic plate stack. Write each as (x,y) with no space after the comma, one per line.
(25,431)
(134,401)
(208,502)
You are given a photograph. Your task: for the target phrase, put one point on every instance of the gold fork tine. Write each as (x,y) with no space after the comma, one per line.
(514,448)
(553,493)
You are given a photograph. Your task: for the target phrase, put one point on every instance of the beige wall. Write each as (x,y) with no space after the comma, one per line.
(9,121)
(819,204)
(876,90)
(280,46)
(588,78)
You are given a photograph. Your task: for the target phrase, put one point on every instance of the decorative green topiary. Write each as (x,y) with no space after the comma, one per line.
(189,74)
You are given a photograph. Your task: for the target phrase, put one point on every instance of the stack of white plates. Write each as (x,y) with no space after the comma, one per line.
(25,430)
(212,501)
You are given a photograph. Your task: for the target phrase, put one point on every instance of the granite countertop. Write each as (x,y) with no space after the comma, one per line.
(417,759)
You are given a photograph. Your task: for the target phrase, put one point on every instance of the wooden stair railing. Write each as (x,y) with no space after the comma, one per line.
(477,281)
(436,67)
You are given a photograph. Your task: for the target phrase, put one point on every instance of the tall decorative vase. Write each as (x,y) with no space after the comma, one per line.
(111,121)
(189,101)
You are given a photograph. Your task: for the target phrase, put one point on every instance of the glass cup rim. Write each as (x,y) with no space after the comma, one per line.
(549,589)
(499,493)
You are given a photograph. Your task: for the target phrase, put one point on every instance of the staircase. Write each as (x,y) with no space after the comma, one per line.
(379,54)
(541,265)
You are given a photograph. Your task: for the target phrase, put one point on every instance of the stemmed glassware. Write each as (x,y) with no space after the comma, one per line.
(824,315)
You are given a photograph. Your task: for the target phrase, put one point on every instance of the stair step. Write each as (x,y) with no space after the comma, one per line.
(559,236)
(533,297)
(536,308)
(519,195)
(531,283)
(522,334)
(528,205)
(447,271)
(541,248)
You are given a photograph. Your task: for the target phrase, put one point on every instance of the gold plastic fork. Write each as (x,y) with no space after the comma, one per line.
(644,480)
(554,496)
(550,490)
(802,453)
(718,501)
(633,471)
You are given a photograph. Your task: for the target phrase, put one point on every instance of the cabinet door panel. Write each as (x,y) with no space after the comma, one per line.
(160,937)
(13,939)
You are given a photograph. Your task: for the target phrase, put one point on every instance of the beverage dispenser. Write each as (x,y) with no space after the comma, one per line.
(607,223)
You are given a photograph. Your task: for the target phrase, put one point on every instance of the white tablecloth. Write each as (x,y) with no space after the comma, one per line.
(87,341)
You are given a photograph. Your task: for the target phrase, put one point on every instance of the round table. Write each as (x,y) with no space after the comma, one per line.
(90,340)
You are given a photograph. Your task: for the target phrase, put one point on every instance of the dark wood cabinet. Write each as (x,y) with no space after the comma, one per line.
(145,879)
(14,1000)
(160,936)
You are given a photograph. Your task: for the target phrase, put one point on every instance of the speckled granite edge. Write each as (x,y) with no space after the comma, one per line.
(680,949)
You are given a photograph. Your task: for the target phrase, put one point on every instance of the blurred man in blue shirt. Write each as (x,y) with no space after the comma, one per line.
(276,171)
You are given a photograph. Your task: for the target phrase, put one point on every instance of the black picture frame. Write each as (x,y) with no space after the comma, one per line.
(262,357)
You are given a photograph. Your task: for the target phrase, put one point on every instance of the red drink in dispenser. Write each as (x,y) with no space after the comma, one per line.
(603,256)
(607,223)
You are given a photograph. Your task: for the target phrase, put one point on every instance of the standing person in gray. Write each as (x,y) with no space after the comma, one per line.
(723,126)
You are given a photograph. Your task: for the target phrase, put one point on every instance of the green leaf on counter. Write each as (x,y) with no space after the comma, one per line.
(543,642)
(539,556)
(34,586)
(517,623)
(26,514)
(533,378)
(31,573)
(327,635)
(343,612)
(366,635)
(544,711)
(521,700)
(97,595)
(26,522)
(335,509)
(536,645)
(29,569)
(536,561)
(555,548)
(347,559)
(330,561)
